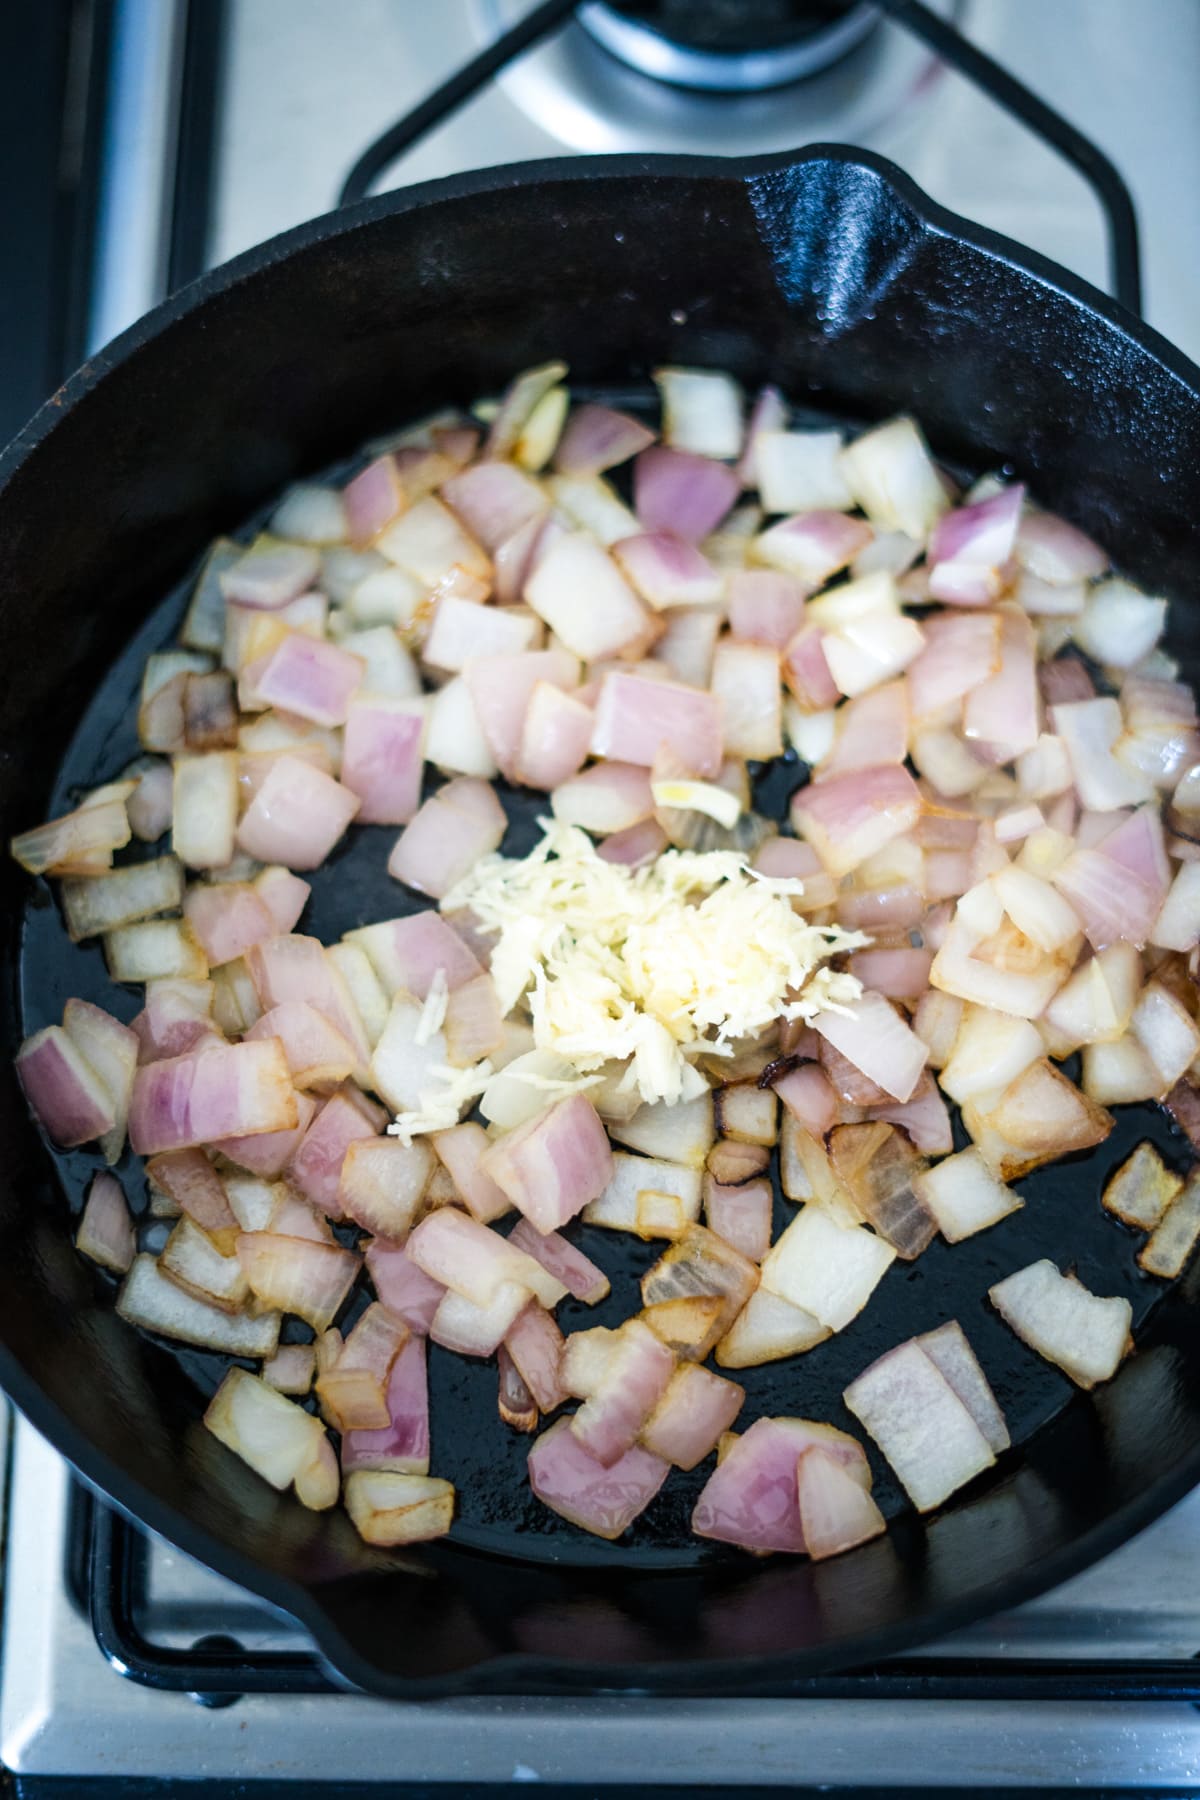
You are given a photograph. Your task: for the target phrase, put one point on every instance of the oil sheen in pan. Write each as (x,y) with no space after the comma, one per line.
(1062,1217)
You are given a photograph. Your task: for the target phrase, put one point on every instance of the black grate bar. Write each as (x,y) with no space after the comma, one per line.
(1104,178)
(216,1669)
(1101,174)
(452,94)
(212,1668)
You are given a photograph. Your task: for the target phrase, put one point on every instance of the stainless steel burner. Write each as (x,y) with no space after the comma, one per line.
(578,94)
(729,46)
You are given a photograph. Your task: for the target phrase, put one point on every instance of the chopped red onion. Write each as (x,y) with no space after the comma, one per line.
(403,1288)
(610,797)
(766,606)
(535,1344)
(849,817)
(270,573)
(297,1275)
(306,677)
(693,1415)
(809,1098)
(971,547)
(410,953)
(634,718)
(194,1185)
(372,500)
(292,967)
(494,500)
(597,438)
(451,832)
(578,590)
(515,559)
(961,651)
(769,413)
(836,1513)
(402,1445)
(500,687)
(270,1152)
(318,1055)
(923,1117)
(555,737)
(806,671)
(872,731)
(813,546)
(382,1183)
(677,491)
(461,1150)
(668,571)
(751,1498)
(897,974)
(1001,714)
(636,845)
(297,815)
(149,806)
(105,1232)
(578,1274)
(897,908)
(316,1166)
(383,757)
(871,1036)
(81,842)
(745,685)
(521,399)
(604,1501)
(471,1329)
(1057,552)
(741,1215)
(220,1090)
(1112,901)
(475,1261)
(285,896)
(227,918)
(465,628)
(923,1428)
(611,1419)
(556,1162)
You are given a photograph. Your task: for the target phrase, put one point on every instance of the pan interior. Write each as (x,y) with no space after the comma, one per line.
(1062,1217)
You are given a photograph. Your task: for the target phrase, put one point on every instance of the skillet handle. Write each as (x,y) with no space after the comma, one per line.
(1104,178)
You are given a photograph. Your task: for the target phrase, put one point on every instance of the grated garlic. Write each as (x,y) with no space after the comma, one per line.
(651,966)
(442,1106)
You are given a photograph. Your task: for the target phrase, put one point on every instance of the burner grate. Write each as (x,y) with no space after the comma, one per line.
(216,1670)
(729,46)
(915,17)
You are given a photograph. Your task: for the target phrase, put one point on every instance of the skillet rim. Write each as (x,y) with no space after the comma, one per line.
(523,1672)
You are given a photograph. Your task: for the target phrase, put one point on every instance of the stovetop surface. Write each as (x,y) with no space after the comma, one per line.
(65,1711)
(302,89)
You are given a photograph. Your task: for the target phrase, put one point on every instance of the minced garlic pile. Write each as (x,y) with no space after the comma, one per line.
(649,966)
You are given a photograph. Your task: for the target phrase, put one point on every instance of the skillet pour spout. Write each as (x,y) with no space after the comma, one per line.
(831,275)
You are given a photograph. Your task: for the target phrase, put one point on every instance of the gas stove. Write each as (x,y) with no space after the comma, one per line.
(223,122)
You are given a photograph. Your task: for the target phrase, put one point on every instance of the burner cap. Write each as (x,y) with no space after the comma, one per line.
(729,46)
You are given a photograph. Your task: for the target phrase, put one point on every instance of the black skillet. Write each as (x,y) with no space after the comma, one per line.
(831,275)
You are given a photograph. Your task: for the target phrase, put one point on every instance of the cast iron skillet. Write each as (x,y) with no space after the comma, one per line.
(830,274)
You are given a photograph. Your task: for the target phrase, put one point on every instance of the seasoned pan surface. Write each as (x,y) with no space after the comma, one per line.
(823,276)
(1062,1218)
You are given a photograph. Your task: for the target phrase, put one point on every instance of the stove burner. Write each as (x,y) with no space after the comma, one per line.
(729,46)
